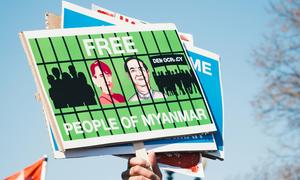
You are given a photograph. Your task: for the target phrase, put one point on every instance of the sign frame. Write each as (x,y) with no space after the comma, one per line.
(116,138)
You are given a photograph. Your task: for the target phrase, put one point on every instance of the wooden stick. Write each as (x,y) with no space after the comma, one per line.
(52,21)
(140,151)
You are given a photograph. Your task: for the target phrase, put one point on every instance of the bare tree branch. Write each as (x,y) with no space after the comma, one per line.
(277,106)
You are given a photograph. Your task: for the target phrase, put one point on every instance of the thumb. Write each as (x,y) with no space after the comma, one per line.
(154,165)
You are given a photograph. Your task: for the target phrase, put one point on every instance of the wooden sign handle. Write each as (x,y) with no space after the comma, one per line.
(140,151)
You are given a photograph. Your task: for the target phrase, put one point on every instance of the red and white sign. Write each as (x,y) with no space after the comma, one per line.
(35,171)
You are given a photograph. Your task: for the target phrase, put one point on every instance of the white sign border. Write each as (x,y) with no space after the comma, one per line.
(115,138)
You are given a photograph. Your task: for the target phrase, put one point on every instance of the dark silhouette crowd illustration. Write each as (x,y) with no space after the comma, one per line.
(182,79)
(70,89)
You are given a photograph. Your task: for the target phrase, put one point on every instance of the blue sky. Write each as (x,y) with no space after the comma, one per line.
(231,29)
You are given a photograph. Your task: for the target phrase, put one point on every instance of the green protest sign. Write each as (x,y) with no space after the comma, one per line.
(108,85)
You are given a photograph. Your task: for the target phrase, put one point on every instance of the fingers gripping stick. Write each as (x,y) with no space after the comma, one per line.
(141,152)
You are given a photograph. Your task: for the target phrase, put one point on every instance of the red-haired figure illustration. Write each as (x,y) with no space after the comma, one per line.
(102,78)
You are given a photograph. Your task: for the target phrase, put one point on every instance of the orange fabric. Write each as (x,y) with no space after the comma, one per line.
(14,176)
(32,172)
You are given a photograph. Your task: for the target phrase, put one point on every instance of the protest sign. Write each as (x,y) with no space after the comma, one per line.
(105,85)
(211,78)
(185,143)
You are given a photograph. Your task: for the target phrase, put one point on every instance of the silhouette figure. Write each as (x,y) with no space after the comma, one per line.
(70,89)
(178,82)
(88,99)
(183,79)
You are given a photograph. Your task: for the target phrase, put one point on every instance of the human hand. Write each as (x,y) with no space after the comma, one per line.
(139,169)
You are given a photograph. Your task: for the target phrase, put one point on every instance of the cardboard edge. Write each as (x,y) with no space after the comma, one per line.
(40,92)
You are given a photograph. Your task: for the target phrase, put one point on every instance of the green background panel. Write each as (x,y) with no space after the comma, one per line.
(46,50)
(60,48)
(35,51)
(176,43)
(162,41)
(73,47)
(149,42)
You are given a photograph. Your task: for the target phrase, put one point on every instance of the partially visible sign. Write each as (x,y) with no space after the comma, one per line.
(117,19)
(207,66)
(77,16)
(181,163)
(101,87)
(117,16)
